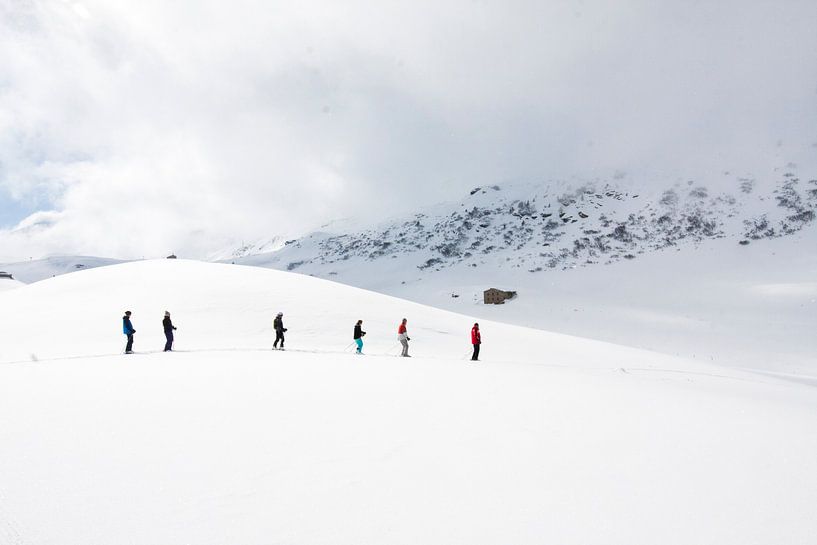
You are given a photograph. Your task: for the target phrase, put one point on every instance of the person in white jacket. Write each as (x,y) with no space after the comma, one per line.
(402,336)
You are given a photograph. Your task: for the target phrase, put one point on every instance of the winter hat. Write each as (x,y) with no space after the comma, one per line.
(167,313)
(280,314)
(127,313)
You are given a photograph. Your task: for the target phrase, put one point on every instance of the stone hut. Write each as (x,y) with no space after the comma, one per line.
(494,296)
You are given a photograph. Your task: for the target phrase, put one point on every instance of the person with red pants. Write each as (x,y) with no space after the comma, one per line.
(476,340)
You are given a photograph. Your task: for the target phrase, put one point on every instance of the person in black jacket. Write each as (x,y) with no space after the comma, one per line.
(169,329)
(278,325)
(127,329)
(358,336)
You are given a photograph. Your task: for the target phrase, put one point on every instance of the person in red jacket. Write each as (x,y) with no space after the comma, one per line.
(476,340)
(402,336)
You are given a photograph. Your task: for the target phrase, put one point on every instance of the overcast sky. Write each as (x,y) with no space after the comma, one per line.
(132,129)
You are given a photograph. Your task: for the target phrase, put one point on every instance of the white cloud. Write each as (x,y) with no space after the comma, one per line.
(182,126)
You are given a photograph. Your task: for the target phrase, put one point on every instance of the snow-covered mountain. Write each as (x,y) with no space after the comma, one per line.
(40,269)
(9,283)
(727,275)
(524,227)
(550,439)
(543,227)
(261,246)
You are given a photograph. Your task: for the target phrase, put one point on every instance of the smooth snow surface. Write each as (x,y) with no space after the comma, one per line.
(550,439)
(9,284)
(40,269)
(751,307)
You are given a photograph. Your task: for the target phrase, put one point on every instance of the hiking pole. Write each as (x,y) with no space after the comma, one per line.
(348,346)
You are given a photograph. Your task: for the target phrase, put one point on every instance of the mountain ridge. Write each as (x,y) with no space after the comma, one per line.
(540,227)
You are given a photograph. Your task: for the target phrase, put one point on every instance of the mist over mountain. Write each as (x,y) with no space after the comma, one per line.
(131,130)
(537,227)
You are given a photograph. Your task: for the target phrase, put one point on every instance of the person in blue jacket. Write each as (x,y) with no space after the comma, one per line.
(127,329)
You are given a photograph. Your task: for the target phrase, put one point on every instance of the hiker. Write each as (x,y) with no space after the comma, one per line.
(278,326)
(169,329)
(402,336)
(476,340)
(127,329)
(358,336)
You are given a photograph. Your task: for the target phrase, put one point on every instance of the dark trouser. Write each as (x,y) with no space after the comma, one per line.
(279,336)
(169,343)
(129,346)
(475,357)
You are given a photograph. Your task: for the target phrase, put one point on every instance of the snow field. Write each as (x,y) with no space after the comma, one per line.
(551,439)
(35,270)
(219,306)
(740,306)
(9,284)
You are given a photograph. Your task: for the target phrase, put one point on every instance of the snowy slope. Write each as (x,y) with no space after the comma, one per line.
(9,283)
(723,275)
(229,306)
(40,269)
(555,226)
(551,439)
(745,306)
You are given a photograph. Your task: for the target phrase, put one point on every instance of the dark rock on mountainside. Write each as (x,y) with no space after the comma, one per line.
(542,231)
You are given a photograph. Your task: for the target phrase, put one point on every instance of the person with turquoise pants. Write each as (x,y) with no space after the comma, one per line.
(358,336)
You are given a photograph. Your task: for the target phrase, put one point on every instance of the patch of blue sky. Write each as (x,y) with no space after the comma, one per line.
(12,210)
